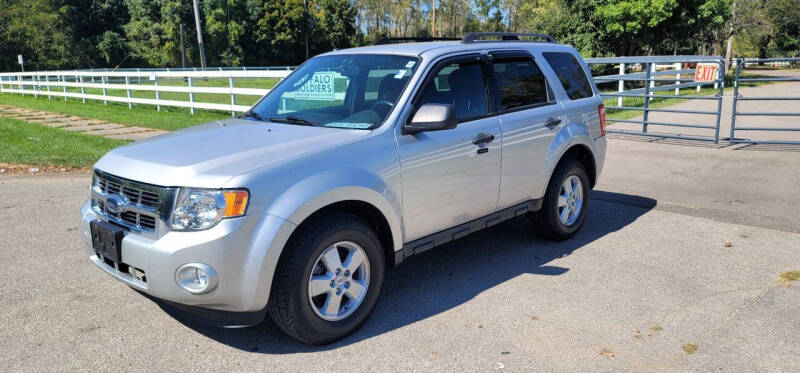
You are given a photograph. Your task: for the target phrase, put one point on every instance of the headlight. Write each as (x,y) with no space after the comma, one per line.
(96,184)
(199,209)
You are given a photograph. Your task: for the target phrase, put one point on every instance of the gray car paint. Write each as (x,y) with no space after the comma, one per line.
(420,183)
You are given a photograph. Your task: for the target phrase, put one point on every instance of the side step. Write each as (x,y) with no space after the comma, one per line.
(426,243)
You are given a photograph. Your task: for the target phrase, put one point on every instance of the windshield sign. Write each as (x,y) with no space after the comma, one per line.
(351,91)
(319,87)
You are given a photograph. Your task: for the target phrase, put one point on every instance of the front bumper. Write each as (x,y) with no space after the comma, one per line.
(243,251)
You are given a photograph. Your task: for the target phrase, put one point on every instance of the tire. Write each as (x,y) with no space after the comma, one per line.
(548,221)
(303,317)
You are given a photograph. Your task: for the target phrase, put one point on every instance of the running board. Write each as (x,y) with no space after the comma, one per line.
(426,243)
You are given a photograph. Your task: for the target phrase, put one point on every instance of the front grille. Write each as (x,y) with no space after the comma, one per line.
(134,195)
(144,202)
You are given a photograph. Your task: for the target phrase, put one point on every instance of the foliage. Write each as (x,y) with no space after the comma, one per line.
(65,34)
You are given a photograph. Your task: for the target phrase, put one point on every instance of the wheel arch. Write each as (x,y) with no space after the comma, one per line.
(365,211)
(575,151)
(582,154)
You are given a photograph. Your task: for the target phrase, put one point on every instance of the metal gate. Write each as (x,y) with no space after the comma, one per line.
(737,98)
(663,77)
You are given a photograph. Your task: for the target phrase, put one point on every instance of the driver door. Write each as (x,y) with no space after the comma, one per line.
(452,176)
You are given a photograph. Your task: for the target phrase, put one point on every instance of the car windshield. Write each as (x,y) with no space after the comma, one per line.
(355,91)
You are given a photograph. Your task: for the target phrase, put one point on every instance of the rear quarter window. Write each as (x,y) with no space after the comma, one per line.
(570,74)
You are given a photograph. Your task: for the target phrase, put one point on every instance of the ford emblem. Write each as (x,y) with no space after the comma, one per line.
(115,203)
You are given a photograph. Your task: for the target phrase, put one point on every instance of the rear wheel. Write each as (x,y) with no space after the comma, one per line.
(328,279)
(565,203)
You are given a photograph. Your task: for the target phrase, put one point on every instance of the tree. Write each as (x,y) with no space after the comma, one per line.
(337,23)
(280,30)
(152,31)
(113,48)
(88,22)
(35,29)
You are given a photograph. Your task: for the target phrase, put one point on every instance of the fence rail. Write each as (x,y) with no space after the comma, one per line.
(661,74)
(634,84)
(58,84)
(737,98)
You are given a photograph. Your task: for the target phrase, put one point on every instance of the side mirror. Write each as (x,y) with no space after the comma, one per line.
(431,117)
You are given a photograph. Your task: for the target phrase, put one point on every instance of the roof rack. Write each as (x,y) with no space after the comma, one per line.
(390,40)
(504,36)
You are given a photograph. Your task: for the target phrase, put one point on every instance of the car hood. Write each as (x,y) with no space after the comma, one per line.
(208,155)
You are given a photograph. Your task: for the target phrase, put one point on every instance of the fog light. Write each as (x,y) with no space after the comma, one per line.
(196,278)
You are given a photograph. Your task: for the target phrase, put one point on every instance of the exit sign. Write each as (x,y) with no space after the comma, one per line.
(706,72)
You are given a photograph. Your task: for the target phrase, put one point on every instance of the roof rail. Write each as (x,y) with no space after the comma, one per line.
(504,36)
(390,40)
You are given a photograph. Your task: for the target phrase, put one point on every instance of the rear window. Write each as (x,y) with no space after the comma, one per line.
(519,82)
(571,75)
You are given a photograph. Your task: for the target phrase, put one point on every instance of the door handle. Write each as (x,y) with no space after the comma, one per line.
(483,138)
(552,122)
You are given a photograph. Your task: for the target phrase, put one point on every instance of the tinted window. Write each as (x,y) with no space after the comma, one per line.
(460,85)
(519,83)
(342,91)
(570,73)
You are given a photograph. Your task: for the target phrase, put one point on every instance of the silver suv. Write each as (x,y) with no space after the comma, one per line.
(357,160)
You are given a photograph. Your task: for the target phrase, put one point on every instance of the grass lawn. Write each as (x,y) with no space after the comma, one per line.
(33,144)
(140,115)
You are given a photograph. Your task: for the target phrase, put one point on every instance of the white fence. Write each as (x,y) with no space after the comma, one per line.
(67,83)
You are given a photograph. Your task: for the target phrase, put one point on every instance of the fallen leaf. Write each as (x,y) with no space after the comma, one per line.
(656,328)
(728,244)
(607,352)
(534,318)
(788,276)
(690,348)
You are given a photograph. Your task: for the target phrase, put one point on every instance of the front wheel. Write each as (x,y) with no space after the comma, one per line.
(565,203)
(328,279)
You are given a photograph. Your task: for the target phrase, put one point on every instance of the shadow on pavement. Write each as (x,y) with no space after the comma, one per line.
(669,141)
(771,147)
(436,281)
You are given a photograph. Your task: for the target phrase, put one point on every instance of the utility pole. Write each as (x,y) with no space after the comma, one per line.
(183,49)
(305,20)
(730,36)
(433,20)
(199,35)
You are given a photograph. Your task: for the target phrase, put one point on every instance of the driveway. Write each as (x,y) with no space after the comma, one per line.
(681,249)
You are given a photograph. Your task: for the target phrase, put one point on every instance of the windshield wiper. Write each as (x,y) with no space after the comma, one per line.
(293,120)
(252,114)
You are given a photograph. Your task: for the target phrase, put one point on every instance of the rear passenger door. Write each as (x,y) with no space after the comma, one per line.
(581,103)
(529,119)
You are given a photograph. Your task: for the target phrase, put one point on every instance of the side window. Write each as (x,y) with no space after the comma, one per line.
(571,74)
(519,83)
(460,85)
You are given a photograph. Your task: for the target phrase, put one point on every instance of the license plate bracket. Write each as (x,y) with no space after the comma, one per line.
(107,240)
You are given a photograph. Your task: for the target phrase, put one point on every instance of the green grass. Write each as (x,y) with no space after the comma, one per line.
(140,115)
(33,144)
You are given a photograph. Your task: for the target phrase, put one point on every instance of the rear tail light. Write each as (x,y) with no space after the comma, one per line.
(601,111)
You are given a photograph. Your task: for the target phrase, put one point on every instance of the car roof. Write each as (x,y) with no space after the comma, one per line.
(436,48)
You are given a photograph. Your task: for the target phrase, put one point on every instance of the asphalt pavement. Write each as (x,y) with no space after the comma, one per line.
(665,263)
